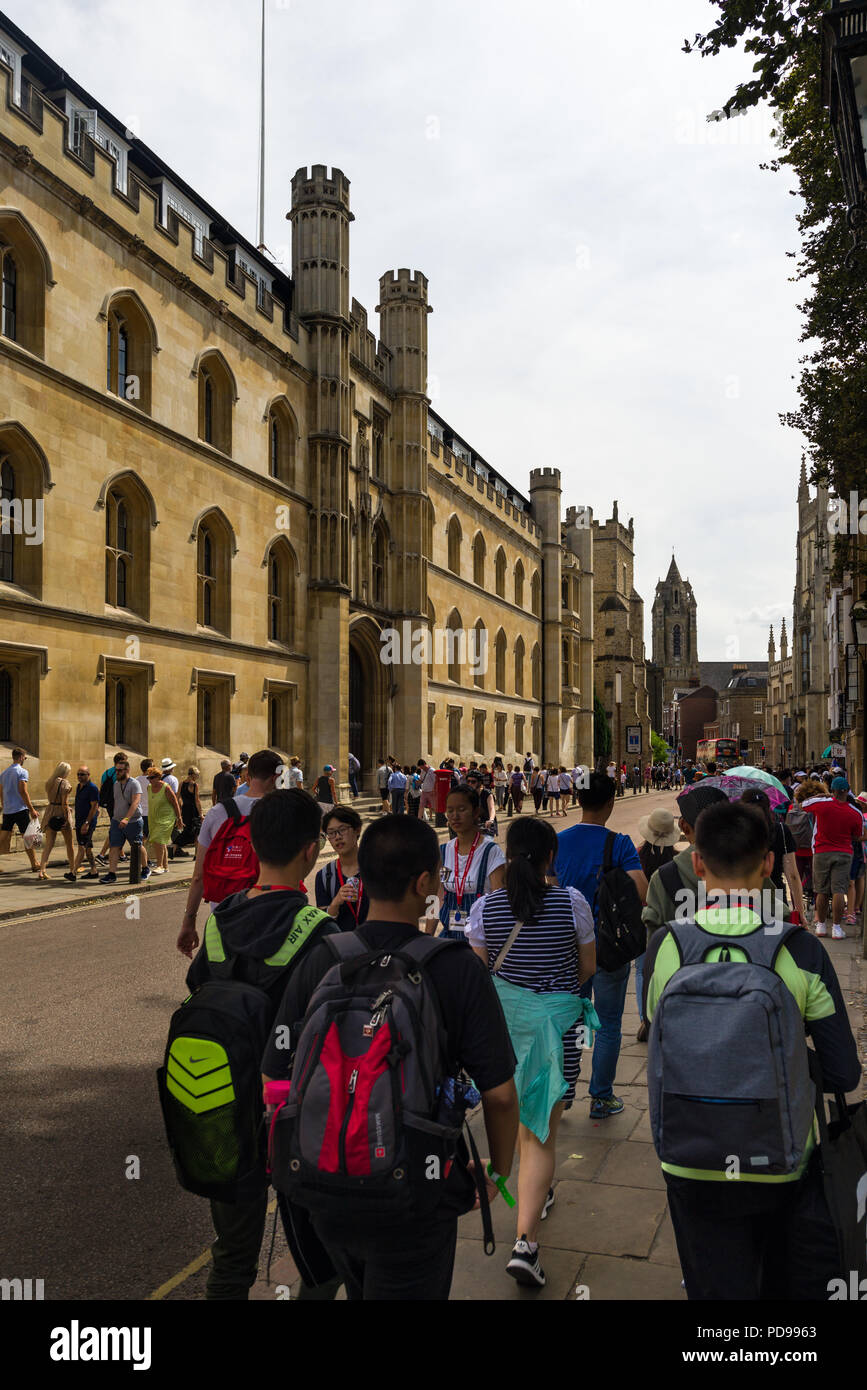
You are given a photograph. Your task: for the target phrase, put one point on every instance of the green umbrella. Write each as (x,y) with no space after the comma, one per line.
(758,775)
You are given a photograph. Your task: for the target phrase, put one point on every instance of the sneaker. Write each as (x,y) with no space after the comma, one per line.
(146,872)
(837,933)
(821,929)
(549,1202)
(600,1109)
(92,874)
(524,1265)
(158,871)
(70,878)
(101,858)
(108,878)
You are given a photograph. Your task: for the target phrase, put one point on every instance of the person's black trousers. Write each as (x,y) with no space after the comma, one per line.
(240,1227)
(419,1271)
(753,1241)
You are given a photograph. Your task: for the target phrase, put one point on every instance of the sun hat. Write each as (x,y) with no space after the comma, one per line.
(862,796)
(167,764)
(659,828)
(799,776)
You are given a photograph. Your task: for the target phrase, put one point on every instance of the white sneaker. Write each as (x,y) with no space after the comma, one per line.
(837,933)
(821,929)
(157,871)
(524,1265)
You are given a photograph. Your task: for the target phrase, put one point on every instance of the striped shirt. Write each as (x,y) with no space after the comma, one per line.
(544,957)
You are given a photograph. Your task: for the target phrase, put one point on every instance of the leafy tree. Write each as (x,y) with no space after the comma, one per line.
(659,747)
(784,37)
(601,731)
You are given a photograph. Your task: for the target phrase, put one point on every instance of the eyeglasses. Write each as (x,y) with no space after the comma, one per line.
(82,774)
(337,834)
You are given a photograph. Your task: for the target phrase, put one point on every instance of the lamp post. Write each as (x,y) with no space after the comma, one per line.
(844,92)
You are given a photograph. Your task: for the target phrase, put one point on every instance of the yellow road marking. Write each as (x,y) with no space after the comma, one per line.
(193,1267)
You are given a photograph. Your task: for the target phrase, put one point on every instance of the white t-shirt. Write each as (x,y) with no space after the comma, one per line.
(496,857)
(295,777)
(611,770)
(500,778)
(581,916)
(565,781)
(145,788)
(171,781)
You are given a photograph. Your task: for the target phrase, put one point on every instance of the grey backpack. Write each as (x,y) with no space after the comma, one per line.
(727,1069)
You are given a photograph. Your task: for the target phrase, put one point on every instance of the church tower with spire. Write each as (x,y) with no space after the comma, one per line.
(675,637)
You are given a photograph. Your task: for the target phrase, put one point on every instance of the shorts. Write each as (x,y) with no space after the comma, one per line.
(857,866)
(831,868)
(85,841)
(119,834)
(17,820)
(383,791)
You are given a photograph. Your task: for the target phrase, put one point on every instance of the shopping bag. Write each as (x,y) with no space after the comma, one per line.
(33,836)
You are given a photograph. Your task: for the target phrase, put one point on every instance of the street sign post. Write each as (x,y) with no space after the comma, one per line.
(633,738)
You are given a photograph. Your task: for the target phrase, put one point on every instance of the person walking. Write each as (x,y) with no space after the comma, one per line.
(552,791)
(580,856)
(397,783)
(517,789)
(501,783)
(428,788)
(413,790)
(538,777)
(660,833)
(165,816)
(224,783)
(383,772)
(837,827)
(18,809)
(167,768)
(126,822)
(192,814)
(326,792)
(539,944)
(86,811)
(565,789)
(295,775)
(472,864)
(55,820)
(338,886)
(354,773)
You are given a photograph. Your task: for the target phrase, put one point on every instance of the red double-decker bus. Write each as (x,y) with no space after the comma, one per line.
(722,751)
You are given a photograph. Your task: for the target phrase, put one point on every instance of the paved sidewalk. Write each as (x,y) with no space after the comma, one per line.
(608,1229)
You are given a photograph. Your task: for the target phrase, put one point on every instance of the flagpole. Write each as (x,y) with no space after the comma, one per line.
(262,139)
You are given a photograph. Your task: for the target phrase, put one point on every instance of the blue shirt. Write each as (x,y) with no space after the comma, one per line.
(579,859)
(84,799)
(13,802)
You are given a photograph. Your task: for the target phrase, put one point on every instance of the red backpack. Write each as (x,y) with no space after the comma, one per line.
(231,863)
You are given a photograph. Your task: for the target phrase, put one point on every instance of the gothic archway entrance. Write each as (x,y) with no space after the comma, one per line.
(367,719)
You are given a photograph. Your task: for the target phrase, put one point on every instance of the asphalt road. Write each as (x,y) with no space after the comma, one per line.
(85,999)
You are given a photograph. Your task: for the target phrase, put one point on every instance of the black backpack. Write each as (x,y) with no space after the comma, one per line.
(106,793)
(210,1084)
(621,934)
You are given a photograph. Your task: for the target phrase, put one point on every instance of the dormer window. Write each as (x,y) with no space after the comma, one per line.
(11,56)
(188,212)
(83,121)
(257,275)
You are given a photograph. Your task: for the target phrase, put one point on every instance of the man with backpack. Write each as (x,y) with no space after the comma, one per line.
(224,847)
(730,1089)
(379,1023)
(587,853)
(253,942)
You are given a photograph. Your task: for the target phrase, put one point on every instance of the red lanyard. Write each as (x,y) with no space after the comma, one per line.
(459,882)
(356,906)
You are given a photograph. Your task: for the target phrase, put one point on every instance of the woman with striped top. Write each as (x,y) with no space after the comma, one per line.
(539,943)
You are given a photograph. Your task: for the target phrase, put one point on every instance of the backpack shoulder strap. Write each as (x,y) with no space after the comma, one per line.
(423,948)
(669,877)
(304,924)
(608,853)
(233,810)
(761,946)
(483,865)
(346,944)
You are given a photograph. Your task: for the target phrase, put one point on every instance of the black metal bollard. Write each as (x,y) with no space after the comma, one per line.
(135,863)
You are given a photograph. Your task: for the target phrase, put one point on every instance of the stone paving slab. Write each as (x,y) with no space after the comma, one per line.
(635,1280)
(633,1164)
(664,1251)
(604,1219)
(582,1163)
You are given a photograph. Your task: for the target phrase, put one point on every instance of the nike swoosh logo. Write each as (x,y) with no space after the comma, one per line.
(192,1060)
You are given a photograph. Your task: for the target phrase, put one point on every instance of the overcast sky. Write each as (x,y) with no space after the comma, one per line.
(608,272)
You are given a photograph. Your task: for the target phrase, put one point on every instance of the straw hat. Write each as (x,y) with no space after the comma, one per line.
(659,828)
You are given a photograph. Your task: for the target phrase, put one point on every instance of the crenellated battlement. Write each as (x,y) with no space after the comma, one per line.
(403,283)
(544,477)
(318,186)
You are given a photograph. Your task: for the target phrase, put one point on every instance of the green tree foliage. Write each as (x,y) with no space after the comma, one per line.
(659,746)
(784,37)
(601,730)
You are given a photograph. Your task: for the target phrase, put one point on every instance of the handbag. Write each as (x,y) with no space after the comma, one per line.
(843,1160)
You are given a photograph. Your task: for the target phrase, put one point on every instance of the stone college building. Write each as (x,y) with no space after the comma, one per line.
(222,491)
